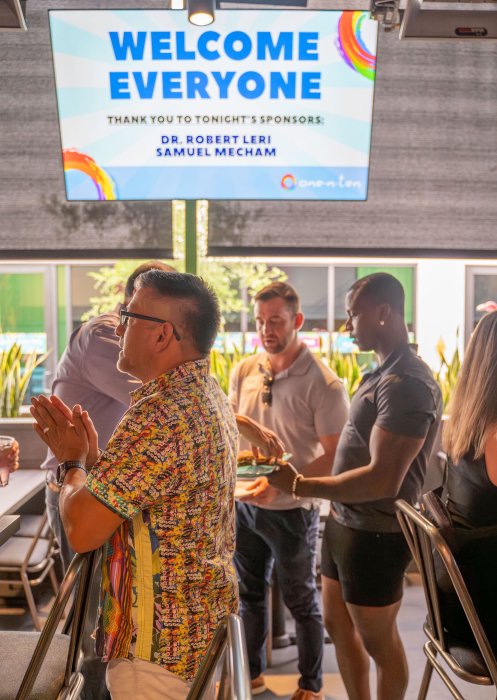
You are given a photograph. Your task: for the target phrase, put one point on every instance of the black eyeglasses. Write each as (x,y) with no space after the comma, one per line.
(124,315)
(267,396)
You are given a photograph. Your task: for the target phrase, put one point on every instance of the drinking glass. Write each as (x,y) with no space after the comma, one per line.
(6,443)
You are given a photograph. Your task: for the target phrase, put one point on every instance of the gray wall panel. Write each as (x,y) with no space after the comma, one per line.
(432,183)
(36,220)
(433,170)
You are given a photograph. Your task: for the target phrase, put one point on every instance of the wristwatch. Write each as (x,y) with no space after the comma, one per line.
(63,468)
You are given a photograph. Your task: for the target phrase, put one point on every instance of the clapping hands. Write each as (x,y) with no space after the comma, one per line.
(70,435)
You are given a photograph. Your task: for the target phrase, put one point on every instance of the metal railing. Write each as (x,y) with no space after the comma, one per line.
(228,645)
(81,566)
(423,539)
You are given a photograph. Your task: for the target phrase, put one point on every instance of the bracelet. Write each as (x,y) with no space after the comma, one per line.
(298,478)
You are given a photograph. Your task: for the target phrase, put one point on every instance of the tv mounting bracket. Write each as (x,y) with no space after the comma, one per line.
(438,19)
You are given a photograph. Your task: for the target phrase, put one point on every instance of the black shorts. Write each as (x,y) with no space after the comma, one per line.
(369,565)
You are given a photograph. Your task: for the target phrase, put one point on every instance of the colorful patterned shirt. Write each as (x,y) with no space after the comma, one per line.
(167,573)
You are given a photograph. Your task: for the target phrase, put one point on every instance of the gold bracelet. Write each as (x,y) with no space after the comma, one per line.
(298,478)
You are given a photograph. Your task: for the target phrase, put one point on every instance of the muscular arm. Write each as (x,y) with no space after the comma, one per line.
(87,522)
(391,457)
(262,494)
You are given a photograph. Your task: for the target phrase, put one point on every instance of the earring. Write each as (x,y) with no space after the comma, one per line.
(382,323)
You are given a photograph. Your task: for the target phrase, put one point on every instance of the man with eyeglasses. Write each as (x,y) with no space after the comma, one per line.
(87,374)
(161,495)
(290,391)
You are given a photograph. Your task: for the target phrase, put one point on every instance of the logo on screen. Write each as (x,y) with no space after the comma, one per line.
(289,182)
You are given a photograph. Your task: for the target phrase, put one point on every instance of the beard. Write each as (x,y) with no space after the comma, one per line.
(273,349)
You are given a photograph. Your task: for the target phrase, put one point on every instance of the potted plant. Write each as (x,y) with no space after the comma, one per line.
(16,370)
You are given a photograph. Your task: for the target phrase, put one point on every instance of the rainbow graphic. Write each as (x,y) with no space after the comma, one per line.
(351,46)
(289,182)
(73,160)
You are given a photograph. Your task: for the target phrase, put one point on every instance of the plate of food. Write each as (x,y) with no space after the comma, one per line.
(250,467)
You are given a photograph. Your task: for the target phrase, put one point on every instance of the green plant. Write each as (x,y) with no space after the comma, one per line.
(227,277)
(346,369)
(447,375)
(14,379)
(224,362)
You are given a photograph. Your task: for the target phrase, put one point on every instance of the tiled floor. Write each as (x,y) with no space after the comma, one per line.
(282,676)
(14,614)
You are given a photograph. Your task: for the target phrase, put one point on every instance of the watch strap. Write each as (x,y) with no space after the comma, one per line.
(64,468)
(75,464)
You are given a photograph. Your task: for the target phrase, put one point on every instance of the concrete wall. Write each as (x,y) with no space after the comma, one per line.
(36,221)
(440,307)
(432,171)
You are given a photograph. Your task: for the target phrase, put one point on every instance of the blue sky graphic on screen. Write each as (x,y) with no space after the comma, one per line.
(262,104)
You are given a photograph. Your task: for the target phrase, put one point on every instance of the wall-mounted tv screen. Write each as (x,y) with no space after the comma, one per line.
(261,104)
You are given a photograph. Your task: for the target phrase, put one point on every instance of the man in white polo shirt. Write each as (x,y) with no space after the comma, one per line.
(290,391)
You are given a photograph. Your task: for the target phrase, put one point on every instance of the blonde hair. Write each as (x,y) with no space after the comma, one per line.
(473,407)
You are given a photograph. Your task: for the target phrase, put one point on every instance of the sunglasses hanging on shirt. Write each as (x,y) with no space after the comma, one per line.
(267,396)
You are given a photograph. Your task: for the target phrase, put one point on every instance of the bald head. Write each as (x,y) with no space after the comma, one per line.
(380,288)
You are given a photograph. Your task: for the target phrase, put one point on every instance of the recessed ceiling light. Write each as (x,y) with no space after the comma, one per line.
(201,12)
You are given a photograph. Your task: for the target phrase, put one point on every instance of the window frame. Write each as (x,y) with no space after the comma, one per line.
(472,271)
(49,273)
(370,263)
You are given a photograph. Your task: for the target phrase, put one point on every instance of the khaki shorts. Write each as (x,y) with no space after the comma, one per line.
(136,679)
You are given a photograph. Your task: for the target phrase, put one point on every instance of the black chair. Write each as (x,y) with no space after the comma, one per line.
(30,554)
(45,665)
(471,663)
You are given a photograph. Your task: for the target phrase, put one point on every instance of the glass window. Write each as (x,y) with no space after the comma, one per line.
(344,279)
(22,320)
(481,287)
(346,276)
(311,284)
(61,308)
(82,290)
(485,290)
(22,303)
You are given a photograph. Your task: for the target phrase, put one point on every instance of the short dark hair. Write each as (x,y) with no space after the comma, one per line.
(381,288)
(201,316)
(282,290)
(152,265)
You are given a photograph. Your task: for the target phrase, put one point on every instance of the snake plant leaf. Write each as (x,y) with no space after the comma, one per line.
(14,378)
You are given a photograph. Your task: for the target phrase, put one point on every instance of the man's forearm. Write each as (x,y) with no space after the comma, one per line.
(70,509)
(87,521)
(355,486)
(320,467)
(242,423)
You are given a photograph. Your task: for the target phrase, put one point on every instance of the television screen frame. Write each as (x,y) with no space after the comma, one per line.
(312,181)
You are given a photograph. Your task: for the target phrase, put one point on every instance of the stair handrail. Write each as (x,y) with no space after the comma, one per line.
(235,684)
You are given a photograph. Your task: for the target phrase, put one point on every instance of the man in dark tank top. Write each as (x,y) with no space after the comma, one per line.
(382,455)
